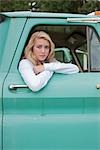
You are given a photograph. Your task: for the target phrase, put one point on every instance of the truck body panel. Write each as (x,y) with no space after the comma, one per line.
(66,113)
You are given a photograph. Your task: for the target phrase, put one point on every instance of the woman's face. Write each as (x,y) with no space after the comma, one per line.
(41,49)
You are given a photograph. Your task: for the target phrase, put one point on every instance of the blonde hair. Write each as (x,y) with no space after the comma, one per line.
(29,53)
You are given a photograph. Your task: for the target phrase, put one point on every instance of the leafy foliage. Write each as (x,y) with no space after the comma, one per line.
(73,6)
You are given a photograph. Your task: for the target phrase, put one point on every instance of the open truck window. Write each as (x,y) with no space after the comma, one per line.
(76,44)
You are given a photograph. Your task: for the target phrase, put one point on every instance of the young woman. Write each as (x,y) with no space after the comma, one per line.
(39,64)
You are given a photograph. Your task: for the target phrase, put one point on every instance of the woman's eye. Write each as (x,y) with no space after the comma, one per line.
(46,47)
(39,46)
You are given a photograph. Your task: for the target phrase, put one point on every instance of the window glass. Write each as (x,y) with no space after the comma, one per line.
(94,50)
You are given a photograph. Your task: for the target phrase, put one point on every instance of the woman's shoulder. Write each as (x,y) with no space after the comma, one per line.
(25,60)
(25,63)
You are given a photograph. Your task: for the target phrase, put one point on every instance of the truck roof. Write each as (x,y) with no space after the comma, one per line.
(44,14)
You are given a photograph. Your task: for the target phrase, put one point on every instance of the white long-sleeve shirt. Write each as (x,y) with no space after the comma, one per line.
(37,82)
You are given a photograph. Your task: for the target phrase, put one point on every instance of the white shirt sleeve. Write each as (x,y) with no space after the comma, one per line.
(34,82)
(58,67)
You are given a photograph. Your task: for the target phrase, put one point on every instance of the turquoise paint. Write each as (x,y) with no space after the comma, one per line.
(4,27)
(2,77)
(11,42)
(64,115)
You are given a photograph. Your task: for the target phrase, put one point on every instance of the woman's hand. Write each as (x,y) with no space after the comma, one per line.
(38,69)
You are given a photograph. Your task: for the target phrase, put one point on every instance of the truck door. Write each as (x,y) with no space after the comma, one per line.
(65,114)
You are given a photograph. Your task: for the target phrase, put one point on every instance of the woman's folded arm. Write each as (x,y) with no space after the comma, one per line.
(34,82)
(58,67)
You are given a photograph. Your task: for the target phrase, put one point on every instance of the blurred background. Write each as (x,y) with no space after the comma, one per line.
(68,6)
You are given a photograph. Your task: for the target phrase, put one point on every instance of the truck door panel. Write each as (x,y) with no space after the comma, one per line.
(35,120)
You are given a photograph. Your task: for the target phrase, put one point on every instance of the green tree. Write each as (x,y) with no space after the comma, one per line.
(89,6)
(59,5)
(69,6)
(14,5)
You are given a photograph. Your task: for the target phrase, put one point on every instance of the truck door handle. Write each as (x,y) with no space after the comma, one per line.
(15,86)
(98,86)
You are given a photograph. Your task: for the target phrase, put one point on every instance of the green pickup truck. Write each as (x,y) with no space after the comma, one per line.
(65,115)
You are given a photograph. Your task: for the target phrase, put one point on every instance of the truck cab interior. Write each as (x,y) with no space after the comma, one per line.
(74,44)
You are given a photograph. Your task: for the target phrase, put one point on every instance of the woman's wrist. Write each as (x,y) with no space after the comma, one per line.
(38,69)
